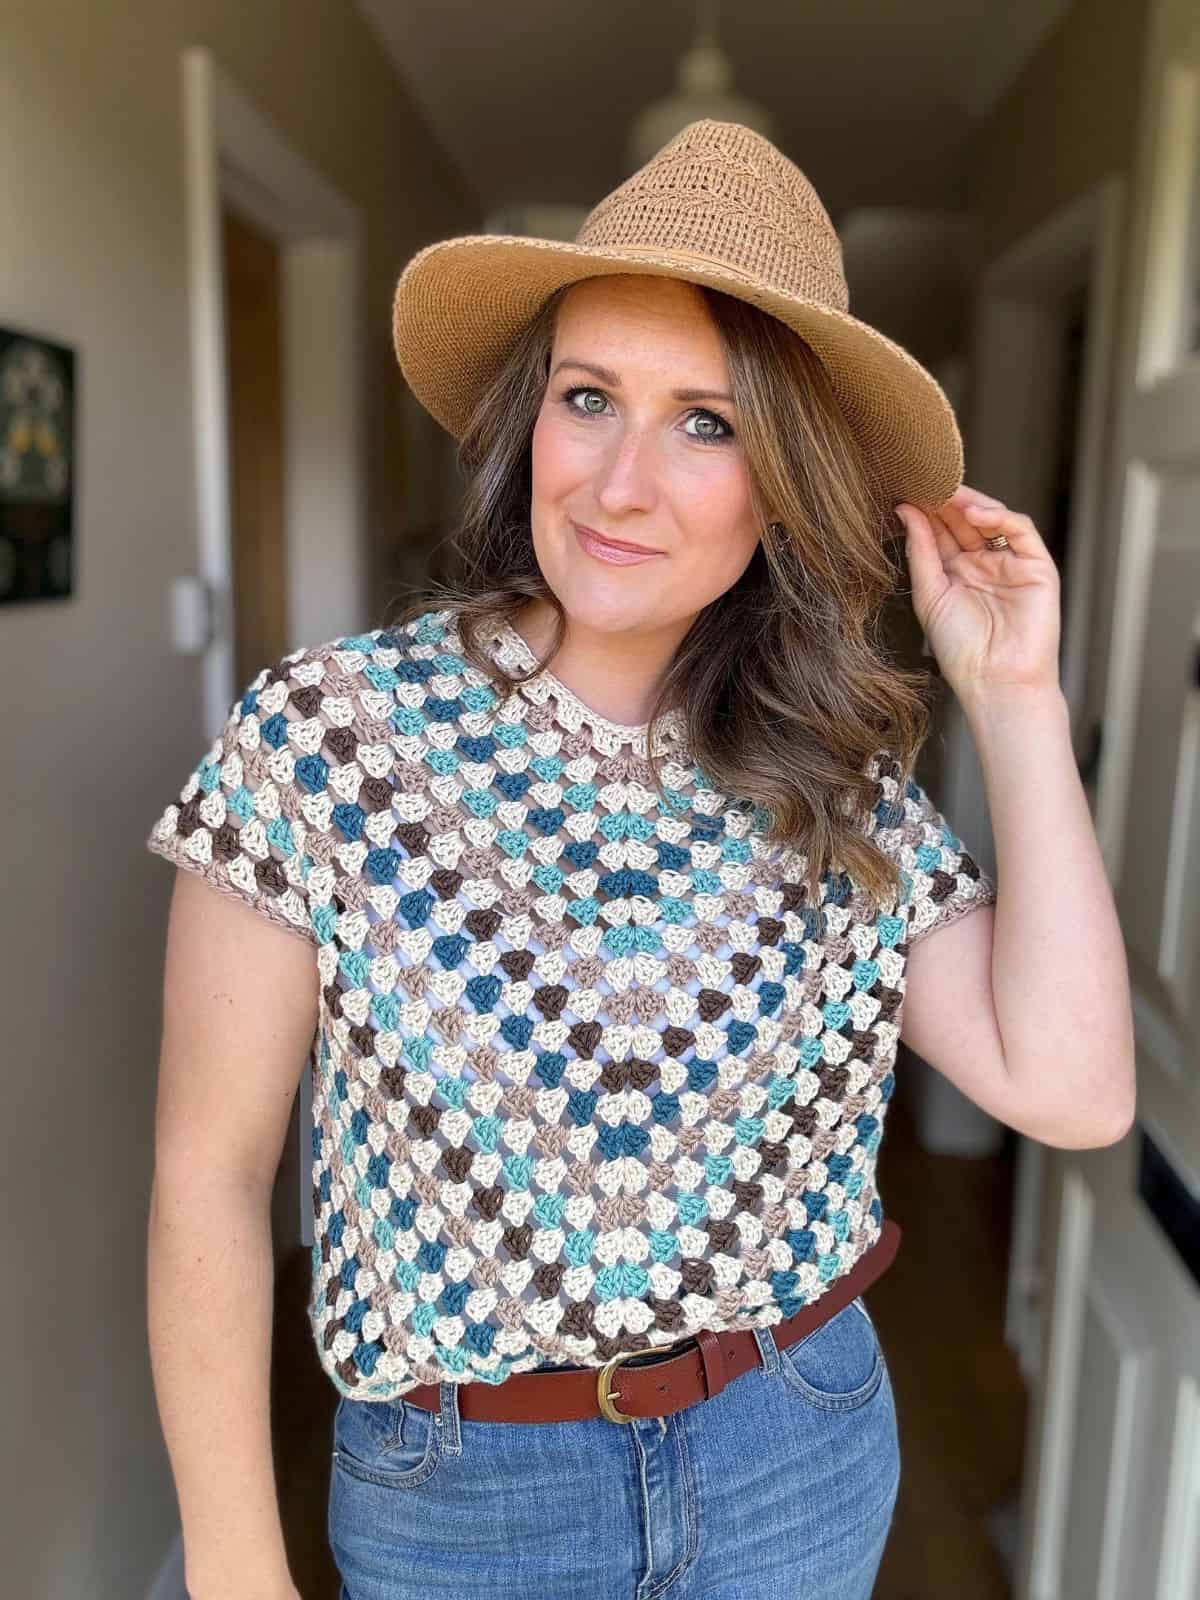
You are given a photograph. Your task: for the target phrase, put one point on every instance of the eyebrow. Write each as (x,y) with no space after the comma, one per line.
(611,378)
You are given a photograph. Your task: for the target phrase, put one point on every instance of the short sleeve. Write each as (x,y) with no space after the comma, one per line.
(239,820)
(941,880)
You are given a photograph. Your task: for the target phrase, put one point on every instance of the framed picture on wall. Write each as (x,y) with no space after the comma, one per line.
(37,467)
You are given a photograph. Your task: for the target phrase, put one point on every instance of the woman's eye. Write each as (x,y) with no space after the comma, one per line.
(588,396)
(710,426)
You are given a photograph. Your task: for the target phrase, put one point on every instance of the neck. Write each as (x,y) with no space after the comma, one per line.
(617,674)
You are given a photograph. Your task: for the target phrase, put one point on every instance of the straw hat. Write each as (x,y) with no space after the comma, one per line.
(718,205)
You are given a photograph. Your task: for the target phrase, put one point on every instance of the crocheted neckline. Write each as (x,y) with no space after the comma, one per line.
(672,726)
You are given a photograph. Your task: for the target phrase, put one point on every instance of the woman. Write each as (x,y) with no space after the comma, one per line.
(606,895)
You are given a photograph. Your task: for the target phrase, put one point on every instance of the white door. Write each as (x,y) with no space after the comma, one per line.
(1111,1497)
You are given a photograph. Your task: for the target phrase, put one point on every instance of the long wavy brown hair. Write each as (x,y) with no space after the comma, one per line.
(786,682)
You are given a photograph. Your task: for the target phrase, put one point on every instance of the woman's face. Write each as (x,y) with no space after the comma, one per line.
(636,441)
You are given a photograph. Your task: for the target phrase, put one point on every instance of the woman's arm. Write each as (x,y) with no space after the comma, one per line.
(239,1010)
(210,1311)
(1026,1006)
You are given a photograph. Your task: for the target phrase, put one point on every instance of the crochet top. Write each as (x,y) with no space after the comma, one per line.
(590,1072)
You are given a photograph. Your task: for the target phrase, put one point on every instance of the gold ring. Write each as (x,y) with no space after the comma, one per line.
(998,543)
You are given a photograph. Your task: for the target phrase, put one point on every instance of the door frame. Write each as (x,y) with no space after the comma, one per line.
(1013,373)
(235,155)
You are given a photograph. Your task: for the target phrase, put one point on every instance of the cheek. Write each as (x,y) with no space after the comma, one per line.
(555,459)
(723,531)
(555,474)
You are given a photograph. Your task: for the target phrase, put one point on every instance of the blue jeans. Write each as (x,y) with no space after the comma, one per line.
(781,1487)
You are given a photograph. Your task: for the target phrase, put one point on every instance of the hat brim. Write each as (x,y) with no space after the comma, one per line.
(460,302)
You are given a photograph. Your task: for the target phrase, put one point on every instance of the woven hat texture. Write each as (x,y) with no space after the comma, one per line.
(718,205)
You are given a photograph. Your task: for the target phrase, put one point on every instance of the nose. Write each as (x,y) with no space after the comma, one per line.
(626,477)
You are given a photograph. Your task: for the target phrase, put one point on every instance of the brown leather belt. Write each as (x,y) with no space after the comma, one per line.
(663,1383)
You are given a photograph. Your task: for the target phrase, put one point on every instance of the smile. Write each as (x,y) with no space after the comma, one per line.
(615,551)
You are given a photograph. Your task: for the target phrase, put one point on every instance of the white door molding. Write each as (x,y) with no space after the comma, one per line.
(1113,1486)
(1016,349)
(234,155)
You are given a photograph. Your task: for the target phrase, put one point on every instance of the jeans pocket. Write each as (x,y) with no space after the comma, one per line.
(391,1443)
(838,1366)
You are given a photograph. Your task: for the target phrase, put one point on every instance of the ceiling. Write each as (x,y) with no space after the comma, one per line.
(875,100)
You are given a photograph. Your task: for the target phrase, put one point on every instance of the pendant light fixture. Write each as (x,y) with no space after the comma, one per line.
(704,89)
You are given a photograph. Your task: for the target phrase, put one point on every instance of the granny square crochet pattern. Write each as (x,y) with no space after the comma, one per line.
(590,1072)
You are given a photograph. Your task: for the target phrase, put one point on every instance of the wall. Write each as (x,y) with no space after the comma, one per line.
(102,721)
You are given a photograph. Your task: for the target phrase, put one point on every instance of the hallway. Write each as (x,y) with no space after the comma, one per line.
(960,1397)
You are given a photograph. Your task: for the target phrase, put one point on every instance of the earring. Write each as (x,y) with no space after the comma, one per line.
(776,529)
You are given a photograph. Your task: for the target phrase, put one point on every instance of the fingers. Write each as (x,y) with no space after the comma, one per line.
(974,517)
(948,538)
(1017,528)
(964,496)
(968,518)
(960,512)
(952,530)
(923,553)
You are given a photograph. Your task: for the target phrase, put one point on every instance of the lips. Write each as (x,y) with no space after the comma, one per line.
(617,552)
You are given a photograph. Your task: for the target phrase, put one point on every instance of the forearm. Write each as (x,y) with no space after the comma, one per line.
(1060,978)
(210,1277)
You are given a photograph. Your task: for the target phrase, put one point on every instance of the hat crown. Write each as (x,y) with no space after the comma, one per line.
(722,192)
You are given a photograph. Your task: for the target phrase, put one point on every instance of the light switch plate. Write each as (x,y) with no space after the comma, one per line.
(191,616)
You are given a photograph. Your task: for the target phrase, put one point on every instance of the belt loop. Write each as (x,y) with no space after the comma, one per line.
(767,1348)
(447,1419)
(712,1359)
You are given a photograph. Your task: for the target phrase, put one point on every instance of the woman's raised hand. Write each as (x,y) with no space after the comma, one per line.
(992,617)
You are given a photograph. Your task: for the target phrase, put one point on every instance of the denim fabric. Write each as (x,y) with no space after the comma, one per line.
(782,1487)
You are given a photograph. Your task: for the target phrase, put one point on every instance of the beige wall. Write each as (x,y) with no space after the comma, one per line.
(1065,122)
(1069,120)
(102,721)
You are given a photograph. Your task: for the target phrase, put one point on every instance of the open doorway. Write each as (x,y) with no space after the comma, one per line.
(1036,374)
(254,364)
(275,262)
(306,240)
(1041,364)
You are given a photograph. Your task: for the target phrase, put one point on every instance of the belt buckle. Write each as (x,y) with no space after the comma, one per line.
(604,1394)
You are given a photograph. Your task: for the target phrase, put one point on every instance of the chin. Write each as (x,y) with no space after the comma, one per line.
(608,614)
(622,606)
